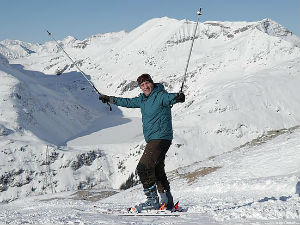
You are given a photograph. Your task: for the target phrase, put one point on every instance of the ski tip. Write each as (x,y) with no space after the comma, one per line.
(162,207)
(132,210)
(176,206)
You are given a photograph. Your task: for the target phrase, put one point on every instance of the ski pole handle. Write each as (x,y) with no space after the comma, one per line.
(199,12)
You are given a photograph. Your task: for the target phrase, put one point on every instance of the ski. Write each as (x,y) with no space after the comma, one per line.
(149,214)
(159,212)
(175,212)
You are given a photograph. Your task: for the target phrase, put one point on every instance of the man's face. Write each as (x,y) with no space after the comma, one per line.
(147,87)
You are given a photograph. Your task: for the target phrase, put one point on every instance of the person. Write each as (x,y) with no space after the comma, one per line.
(155,104)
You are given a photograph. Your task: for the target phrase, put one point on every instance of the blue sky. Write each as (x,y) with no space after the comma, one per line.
(27,20)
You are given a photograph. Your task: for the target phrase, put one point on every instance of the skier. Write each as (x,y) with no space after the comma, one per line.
(155,103)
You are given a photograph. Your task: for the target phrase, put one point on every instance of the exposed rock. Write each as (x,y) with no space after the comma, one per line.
(5,131)
(85,159)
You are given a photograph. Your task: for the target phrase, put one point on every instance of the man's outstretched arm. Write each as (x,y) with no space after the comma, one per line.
(124,102)
(172,98)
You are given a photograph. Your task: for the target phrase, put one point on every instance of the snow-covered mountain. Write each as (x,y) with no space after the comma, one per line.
(55,135)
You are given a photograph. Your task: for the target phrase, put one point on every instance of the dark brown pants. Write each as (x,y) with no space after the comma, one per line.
(151,167)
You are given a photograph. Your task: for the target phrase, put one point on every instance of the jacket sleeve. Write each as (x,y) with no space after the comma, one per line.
(168,98)
(128,102)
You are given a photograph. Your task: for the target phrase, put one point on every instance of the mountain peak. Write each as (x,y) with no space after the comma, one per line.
(275,29)
(272,28)
(69,39)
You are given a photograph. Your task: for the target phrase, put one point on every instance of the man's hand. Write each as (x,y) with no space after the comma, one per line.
(106,99)
(180,97)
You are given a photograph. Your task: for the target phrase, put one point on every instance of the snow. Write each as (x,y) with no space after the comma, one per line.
(235,155)
(129,131)
(238,192)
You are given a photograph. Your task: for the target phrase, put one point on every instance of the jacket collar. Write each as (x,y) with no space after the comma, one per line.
(157,88)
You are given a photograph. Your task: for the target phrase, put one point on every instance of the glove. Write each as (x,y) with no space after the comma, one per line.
(180,97)
(106,99)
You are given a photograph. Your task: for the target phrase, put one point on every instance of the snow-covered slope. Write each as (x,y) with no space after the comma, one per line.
(255,184)
(242,84)
(37,114)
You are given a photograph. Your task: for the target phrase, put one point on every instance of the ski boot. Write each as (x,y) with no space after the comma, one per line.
(166,199)
(152,201)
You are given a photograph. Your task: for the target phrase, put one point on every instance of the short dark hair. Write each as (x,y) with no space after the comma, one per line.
(144,77)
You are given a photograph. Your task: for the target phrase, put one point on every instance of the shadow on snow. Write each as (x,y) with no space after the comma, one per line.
(60,108)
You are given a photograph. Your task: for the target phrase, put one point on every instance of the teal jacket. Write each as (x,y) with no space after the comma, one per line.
(156,112)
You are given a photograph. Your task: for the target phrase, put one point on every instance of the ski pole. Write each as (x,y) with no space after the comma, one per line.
(83,74)
(187,64)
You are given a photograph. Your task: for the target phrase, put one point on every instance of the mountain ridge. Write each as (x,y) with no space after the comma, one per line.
(242,82)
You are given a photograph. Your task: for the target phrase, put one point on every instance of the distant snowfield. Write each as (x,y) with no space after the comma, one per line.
(128,132)
(235,154)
